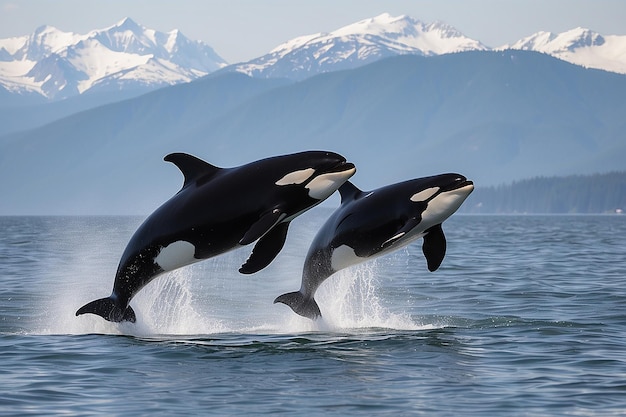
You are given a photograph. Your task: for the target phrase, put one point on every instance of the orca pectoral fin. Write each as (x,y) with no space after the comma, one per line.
(266,249)
(434,247)
(262,226)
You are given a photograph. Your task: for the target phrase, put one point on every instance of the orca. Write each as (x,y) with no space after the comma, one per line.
(218,210)
(373,223)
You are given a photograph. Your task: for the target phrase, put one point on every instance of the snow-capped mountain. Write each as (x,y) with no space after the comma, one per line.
(385,35)
(59,64)
(357,44)
(579,46)
(128,56)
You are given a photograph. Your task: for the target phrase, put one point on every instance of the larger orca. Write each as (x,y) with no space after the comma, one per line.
(373,223)
(217,210)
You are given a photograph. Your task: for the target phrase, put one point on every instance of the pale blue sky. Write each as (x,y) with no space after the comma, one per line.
(240,30)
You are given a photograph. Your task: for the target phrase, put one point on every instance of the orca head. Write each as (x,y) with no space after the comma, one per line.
(320,173)
(439,197)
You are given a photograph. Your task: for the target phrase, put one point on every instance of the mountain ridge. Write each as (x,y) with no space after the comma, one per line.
(357,44)
(60,64)
(383,36)
(48,61)
(579,46)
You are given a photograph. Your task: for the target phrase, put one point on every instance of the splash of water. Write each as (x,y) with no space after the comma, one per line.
(167,306)
(214,299)
(350,300)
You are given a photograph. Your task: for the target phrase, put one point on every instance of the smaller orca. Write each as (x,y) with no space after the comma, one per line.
(373,223)
(218,210)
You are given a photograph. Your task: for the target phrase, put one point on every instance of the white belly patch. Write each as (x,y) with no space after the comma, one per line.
(176,255)
(343,257)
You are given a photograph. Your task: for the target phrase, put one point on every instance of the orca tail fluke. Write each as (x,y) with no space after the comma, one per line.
(306,307)
(108,310)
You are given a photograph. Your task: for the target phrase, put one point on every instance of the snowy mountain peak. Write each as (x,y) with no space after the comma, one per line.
(579,46)
(379,25)
(385,35)
(549,42)
(128,24)
(429,38)
(357,44)
(126,36)
(127,55)
(42,42)
(59,64)
(582,37)
(398,27)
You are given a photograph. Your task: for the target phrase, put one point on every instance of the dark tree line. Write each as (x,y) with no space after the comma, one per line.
(598,193)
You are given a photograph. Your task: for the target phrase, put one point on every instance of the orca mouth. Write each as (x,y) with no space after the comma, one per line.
(340,167)
(459,182)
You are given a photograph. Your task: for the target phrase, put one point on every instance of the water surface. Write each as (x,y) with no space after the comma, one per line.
(526,316)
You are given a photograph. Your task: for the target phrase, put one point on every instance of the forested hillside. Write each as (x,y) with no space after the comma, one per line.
(599,193)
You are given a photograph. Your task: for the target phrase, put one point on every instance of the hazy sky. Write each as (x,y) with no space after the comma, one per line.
(240,30)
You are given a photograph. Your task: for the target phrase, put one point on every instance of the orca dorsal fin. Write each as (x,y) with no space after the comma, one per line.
(192,168)
(349,191)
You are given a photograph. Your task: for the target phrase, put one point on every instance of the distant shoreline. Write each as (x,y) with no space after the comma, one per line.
(574,194)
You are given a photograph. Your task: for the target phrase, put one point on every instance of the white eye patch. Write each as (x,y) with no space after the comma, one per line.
(296,177)
(424,194)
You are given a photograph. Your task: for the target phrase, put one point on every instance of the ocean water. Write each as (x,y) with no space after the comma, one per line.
(526,317)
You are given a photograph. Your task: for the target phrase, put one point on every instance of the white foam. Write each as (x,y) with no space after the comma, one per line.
(168,307)
(350,300)
(211,297)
